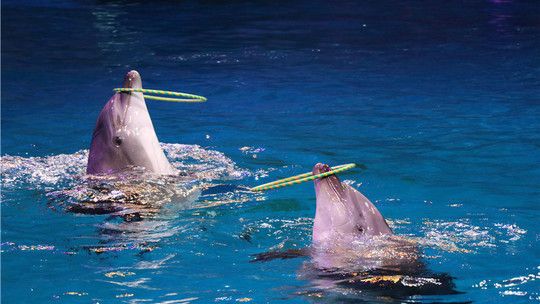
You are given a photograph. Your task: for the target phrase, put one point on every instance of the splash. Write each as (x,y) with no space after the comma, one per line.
(465,237)
(42,172)
(133,194)
(52,172)
(254,152)
(202,163)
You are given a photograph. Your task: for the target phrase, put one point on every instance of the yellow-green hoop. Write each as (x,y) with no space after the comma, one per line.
(187,97)
(300,178)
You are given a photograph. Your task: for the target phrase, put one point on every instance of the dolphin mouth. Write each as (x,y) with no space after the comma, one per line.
(320,168)
(332,180)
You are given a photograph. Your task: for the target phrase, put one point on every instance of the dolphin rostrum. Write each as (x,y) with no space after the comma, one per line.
(124,135)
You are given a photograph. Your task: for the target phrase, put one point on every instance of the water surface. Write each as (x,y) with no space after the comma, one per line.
(437,102)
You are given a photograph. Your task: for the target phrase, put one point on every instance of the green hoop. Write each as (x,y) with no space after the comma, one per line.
(187,97)
(300,178)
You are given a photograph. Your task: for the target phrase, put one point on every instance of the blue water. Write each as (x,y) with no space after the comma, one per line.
(437,101)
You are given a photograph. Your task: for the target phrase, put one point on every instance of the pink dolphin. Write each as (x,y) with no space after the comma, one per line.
(342,212)
(124,135)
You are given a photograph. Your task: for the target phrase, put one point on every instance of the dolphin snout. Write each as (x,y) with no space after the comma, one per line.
(320,168)
(132,80)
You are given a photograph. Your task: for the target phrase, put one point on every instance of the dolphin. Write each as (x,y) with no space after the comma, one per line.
(343,216)
(124,135)
(342,212)
(350,232)
(354,247)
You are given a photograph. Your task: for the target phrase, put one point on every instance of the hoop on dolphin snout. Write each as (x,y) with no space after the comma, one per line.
(300,178)
(187,97)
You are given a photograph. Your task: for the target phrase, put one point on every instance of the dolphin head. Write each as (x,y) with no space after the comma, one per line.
(124,135)
(342,211)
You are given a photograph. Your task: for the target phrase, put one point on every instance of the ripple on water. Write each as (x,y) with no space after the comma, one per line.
(463,236)
(512,286)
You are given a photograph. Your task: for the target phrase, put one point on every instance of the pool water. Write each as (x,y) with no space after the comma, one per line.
(437,102)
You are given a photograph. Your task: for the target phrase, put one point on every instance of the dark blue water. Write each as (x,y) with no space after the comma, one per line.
(437,101)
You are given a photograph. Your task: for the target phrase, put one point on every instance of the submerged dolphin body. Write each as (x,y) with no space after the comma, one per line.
(124,135)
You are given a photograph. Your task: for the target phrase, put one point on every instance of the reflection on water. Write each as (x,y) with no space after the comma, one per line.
(501,17)
(111,34)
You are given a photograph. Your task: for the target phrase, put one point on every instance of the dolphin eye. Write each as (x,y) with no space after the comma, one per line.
(117,140)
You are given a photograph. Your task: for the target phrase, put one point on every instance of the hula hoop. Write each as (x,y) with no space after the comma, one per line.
(300,178)
(188,97)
